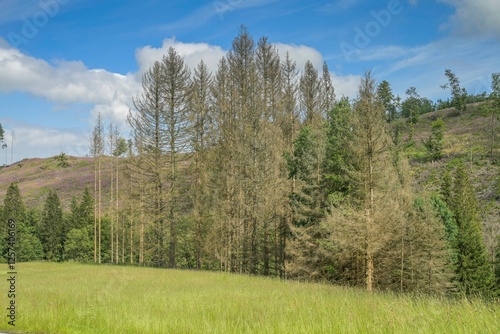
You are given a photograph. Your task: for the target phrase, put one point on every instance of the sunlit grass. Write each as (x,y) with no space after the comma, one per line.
(73,298)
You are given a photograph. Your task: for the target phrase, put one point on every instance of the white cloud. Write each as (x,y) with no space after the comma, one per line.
(300,54)
(64,82)
(192,53)
(345,85)
(474,18)
(34,141)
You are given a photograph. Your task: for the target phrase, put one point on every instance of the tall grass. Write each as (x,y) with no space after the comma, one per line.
(73,298)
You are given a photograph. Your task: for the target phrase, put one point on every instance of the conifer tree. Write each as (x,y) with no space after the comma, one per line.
(200,118)
(151,139)
(474,273)
(51,229)
(384,93)
(13,209)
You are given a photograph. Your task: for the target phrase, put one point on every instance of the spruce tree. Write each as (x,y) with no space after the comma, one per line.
(474,274)
(52,229)
(13,209)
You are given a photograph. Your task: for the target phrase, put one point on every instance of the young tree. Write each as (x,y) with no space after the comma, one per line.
(51,229)
(13,209)
(411,109)
(474,273)
(459,95)
(384,93)
(434,143)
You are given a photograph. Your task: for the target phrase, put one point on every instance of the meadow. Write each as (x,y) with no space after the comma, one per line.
(75,298)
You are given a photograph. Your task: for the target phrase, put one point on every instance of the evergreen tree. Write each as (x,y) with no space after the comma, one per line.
(384,93)
(434,143)
(52,229)
(200,117)
(13,209)
(335,184)
(310,96)
(474,274)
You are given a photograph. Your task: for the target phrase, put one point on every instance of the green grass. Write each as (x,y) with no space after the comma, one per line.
(73,298)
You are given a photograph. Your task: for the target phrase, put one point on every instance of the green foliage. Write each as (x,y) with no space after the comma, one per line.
(2,133)
(120,147)
(13,209)
(51,229)
(304,166)
(82,214)
(474,274)
(459,95)
(79,245)
(434,143)
(62,160)
(384,93)
(335,181)
(29,246)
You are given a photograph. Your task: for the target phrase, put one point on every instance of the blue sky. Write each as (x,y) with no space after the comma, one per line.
(64,61)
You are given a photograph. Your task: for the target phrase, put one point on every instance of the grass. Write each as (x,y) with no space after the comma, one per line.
(74,298)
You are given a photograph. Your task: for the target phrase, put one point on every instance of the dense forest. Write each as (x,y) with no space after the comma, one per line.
(259,168)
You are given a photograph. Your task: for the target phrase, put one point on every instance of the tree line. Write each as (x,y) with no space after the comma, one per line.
(260,169)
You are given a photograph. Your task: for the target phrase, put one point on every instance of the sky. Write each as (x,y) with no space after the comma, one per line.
(64,61)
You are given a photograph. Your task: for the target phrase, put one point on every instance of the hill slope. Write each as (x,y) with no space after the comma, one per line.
(37,176)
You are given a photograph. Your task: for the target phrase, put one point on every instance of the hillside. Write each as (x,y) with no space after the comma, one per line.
(37,176)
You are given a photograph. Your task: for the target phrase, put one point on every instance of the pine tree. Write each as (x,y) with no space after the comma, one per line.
(474,274)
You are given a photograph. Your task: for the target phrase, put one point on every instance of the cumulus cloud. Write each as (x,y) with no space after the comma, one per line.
(474,18)
(34,141)
(345,85)
(64,82)
(192,53)
(300,54)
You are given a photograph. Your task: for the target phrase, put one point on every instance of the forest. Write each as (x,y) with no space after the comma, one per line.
(260,169)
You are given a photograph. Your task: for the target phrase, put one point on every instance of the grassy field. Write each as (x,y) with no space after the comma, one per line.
(73,298)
